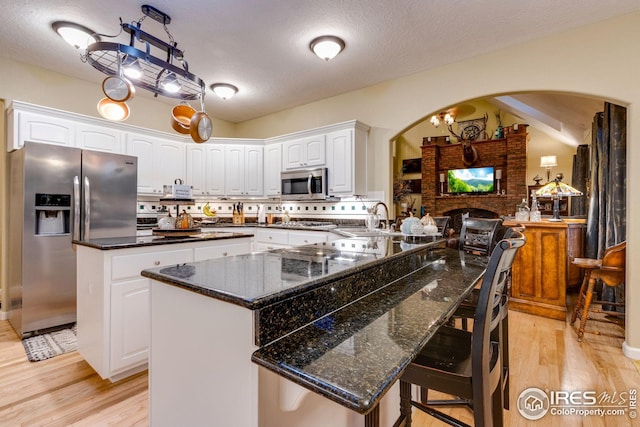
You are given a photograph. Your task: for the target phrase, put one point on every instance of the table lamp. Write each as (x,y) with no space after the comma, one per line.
(548,162)
(556,189)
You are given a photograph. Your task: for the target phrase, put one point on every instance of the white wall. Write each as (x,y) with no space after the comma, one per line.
(602,60)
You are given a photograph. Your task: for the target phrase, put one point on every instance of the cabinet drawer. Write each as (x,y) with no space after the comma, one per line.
(126,266)
(279,237)
(297,238)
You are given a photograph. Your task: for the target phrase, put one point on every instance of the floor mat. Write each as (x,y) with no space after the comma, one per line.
(46,346)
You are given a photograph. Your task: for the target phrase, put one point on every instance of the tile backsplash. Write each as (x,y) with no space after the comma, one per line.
(351,209)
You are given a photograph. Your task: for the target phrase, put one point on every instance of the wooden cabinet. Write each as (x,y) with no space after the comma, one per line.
(546,203)
(113,299)
(542,269)
(304,152)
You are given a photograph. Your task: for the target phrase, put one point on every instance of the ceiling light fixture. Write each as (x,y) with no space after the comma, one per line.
(224,90)
(76,35)
(131,68)
(158,74)
(327,47)
(444,116)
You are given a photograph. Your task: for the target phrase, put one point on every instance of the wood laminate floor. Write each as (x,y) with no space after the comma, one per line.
(65,391)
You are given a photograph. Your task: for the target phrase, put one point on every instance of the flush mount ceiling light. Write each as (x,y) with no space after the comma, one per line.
(327,47)
(76,35)
(143,65)
(224,90)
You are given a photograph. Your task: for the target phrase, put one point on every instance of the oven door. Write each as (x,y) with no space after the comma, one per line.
(304,184)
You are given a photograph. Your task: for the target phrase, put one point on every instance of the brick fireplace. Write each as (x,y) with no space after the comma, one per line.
(508,155)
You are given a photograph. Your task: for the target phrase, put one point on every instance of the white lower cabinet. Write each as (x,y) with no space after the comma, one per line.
(129,323)
(266,240)
(113,299)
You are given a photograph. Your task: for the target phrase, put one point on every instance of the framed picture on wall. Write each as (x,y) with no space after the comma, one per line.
(415,185)
(412,166)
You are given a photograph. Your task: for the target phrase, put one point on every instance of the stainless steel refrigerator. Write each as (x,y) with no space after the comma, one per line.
(59,194)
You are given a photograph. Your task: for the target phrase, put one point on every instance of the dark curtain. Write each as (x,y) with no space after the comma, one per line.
(606,224)
(580,180)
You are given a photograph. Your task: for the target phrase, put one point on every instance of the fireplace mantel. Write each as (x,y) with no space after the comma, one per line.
(508,155)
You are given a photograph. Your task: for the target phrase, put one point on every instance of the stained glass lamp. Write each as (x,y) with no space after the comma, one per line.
(556,189)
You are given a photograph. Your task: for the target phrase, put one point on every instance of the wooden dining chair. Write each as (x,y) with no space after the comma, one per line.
(611,271)
(466,364)
(442,222)
(480,235)
(466,310)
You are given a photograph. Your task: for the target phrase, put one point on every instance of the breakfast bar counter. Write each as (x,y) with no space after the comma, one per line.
(334,341)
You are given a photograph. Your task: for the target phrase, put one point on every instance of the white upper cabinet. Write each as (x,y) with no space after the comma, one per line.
(205,169)
(272,169)
(98,138)
(160,161)
(29,126)
(347,161)
(244,165)
(304,152)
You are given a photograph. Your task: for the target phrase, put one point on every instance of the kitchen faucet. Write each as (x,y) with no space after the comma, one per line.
(386,218)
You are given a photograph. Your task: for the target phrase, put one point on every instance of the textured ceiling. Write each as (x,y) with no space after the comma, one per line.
(261,46)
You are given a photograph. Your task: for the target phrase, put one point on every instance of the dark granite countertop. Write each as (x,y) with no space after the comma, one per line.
(355,354)
(259,279)
(108,243)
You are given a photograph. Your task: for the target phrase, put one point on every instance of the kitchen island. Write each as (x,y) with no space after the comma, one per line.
(334,324)
(113,299)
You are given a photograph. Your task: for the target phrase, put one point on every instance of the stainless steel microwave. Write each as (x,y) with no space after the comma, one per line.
(307,184)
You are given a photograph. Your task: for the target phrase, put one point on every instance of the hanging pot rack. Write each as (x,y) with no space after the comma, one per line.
(108,56)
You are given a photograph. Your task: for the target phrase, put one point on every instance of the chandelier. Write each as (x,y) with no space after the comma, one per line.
(444,116)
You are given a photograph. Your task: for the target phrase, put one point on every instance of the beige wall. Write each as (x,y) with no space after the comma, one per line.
(38,86)
(602,60)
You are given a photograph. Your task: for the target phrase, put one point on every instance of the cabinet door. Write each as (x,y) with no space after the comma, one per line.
(215,170)
(253,170)
(272,169)
(169,162)
(35,127)
(315,151)
(234,170)
(304,152)
(98,138)
(141,146)
(293,154)
(197,168)
(223,249)
(298,238)
(340,162)
(129,324)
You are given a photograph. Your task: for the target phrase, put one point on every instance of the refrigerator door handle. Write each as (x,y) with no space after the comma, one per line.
(76,208)
(87,209)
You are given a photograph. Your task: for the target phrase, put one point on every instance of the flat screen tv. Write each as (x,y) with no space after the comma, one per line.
(470,181)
